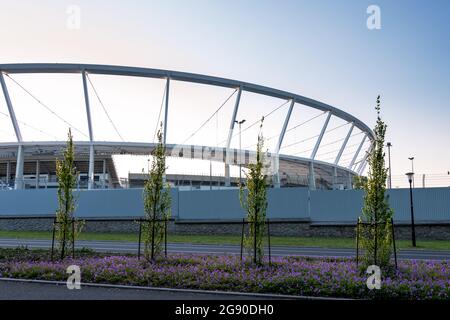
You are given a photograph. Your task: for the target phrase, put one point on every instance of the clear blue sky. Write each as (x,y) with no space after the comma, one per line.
(320,49)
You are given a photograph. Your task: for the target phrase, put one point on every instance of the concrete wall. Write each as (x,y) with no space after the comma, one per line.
(431,205)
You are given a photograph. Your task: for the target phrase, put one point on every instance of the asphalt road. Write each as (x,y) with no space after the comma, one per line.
(17,290)
(132,247)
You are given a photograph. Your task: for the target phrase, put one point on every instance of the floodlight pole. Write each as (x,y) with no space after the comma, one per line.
(413,230)
(412,170)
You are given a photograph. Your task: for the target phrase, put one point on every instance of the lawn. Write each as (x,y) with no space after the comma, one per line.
(323,277)
(325,242)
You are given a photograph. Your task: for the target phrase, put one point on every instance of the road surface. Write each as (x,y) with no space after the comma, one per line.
(276,251)
(14,290)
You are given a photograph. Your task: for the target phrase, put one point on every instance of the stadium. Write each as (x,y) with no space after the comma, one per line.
(333,153)
(210,128)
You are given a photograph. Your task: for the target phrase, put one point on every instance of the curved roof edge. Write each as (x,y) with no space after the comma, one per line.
(182,76)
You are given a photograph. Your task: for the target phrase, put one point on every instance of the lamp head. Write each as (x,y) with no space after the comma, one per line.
(410,176)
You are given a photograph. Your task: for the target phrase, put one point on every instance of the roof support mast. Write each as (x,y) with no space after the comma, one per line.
(230,135)
(18,181)
(166,114)
(166,110)
(363,163)
(350,166)
(280,142)
(312,178)
(91,133)
(339,155)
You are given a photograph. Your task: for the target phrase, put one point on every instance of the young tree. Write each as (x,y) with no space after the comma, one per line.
(157,202)
(359,182)
(254,201)
(66,175)
(377,234)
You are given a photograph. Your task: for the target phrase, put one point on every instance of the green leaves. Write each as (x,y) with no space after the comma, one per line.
(66,175)
(254,201)
(157,202)
(377,240)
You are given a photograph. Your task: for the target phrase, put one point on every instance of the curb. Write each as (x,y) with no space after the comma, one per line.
(230,293)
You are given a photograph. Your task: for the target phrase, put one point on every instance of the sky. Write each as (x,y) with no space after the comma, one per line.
(319,49)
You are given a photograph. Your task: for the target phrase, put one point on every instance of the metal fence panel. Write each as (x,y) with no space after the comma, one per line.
(104,203)
(343,206)
(340,206)
(286,203)
(336,205)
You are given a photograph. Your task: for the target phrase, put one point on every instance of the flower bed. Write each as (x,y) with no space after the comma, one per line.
(325,277)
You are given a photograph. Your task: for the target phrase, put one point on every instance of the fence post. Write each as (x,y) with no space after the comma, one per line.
(139,244)
(63,246)
(242,236)
(255,235)
(53,236)
(73,238)
(165,237)
(357,242)
(376,244)
(268,235)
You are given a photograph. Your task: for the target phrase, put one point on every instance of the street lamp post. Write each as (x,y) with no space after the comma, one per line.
(389,145)
(240,149)
(410,176)
(412,169)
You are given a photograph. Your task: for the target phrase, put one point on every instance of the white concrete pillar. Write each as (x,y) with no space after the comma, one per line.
(91,168)
(312,177)
(18,182)
(104,174)
(227,175)
(334,178)
(38,173)
(8,172)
